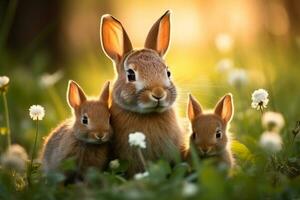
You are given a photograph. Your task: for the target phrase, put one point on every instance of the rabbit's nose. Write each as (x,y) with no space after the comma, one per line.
(158,93)
(205,150)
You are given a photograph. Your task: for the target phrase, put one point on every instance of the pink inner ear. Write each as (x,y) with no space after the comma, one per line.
(163,36)
(115,41)
(74,97)
(112,39)
(194,108)
(227,109)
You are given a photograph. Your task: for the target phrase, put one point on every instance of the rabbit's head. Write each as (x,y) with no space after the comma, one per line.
(210,130)
(143,82)
(92,117)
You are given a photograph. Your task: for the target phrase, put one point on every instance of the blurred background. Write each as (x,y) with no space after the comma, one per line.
(217,47)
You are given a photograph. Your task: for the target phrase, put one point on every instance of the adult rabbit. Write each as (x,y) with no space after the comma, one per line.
(143,93)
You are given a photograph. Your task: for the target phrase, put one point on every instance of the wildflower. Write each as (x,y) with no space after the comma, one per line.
(224,65)
(37,112)
(260,99)
(273,121)
(139,176)
(114,164)
(4,80)
(271,142)
(137,139)
(224,42)
(189,189)
(238,77)
(48,80)
(15,158)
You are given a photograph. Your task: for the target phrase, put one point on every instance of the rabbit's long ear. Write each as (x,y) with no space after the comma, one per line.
(224,108)
(158,37)
(114,39)
(75,95)
(194,108)
(104,96)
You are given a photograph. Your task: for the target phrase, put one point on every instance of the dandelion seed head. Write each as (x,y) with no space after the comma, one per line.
(224,42)
(15,158)
(4,80)
(48,80)
(238,77)
(260,99)
(273,121)
(137,139)
(37,112)
(271,142)
(114,164)
(224,65)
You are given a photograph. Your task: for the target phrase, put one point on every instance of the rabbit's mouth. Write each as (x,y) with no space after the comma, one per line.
(157,106)
(92,138)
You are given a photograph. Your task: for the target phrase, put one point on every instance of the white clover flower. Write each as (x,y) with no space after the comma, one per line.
(224,65)
(238,77)
(189,189)
(114,164)
(37,112)
(224,42)
(48,80)
(273,121)
(260,99)
(4,80)
(137,139)
(15,158)
(139,176)
(271,142)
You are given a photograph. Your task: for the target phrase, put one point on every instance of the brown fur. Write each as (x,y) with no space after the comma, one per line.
(204,128)
(144,104)
(86,143)
(163,136)
(62,144)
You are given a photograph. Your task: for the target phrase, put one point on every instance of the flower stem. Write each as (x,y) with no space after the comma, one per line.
(6,119)
(32,153)
(261,110)
(140,154)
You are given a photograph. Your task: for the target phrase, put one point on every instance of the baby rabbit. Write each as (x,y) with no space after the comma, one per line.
(143,93)
(84,137)
(210,137)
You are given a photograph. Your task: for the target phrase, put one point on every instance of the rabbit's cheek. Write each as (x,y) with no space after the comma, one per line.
(126,96)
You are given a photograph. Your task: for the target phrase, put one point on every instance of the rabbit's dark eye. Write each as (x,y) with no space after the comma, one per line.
(218,134)
(85,120)
(130,75)
(168,73)
(193,136)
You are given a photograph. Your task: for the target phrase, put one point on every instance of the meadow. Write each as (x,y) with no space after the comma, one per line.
(225,62)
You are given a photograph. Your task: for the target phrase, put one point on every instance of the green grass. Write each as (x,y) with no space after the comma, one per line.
(270,64)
